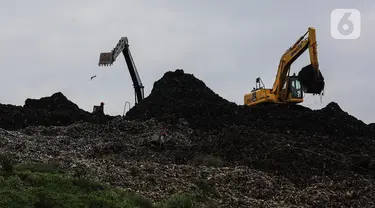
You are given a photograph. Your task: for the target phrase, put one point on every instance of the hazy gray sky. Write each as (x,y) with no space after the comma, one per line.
(50,46)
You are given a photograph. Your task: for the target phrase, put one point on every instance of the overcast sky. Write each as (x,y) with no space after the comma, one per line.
(51,46)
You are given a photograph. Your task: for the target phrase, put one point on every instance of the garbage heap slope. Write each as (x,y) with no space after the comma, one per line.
(181,95)
(54,110)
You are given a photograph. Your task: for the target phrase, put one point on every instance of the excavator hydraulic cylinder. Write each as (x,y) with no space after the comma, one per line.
(311,79)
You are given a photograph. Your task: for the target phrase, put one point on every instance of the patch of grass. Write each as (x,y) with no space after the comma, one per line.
(181,201)
(38,189)
(39,167)
(139,201)
(6,165)
(45,185)
(40,185)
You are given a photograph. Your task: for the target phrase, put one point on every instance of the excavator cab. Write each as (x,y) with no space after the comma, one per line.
(292,91)
(295,88)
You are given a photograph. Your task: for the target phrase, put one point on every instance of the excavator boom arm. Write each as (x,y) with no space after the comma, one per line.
(122,46)
(298,48)
(138,86)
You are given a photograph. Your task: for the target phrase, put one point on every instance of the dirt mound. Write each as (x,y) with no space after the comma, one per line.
(56,102)
(55,110)
(332,120)
(372,126)
(294,155)
(180,95)
(293,141)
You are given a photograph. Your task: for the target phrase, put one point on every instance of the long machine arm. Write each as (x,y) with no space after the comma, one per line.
(107,59)
(300,46)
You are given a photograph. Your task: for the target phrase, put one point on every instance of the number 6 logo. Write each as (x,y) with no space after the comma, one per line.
(345,24)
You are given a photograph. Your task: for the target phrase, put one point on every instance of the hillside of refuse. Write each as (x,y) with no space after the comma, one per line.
(181,95)
(54,110)
(264,156)
(292,141)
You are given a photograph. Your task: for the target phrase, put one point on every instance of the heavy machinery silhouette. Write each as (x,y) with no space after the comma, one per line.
(289,89)
(107,59)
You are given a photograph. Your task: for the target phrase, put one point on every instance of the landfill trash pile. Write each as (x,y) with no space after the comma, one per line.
(292,141)
(302,158)
(239,156)
(119,155)
(372,126)
(55,110)
(180,95)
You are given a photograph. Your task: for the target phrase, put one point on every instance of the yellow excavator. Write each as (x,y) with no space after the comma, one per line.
(289,89)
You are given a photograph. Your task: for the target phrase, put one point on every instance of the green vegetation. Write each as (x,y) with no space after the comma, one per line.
(46,186)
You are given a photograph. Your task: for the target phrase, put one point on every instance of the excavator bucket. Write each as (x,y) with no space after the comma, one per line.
(312,80)
(106,59)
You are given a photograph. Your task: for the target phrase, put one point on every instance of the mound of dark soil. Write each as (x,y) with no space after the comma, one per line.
(372,126)
(332,120)
(56,102)
(293,141)
(296,156)
(180,95)
(11,117)
(55,110)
